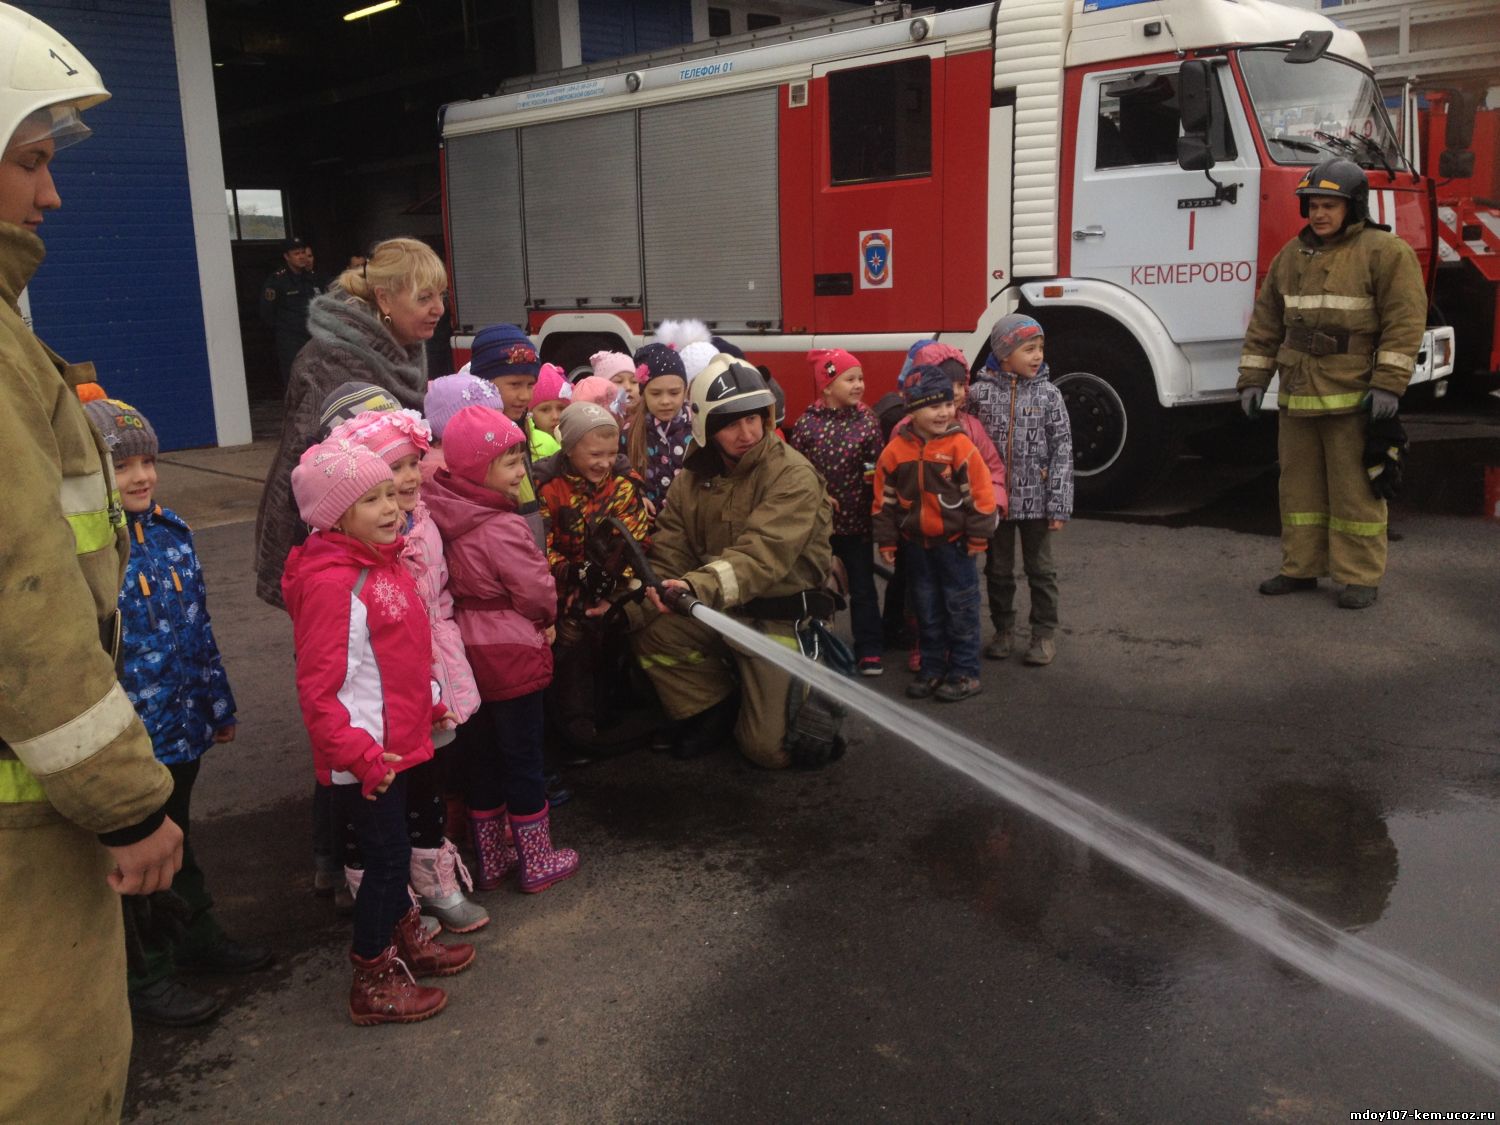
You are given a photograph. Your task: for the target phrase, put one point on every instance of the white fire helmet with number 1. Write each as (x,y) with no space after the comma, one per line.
(45,83)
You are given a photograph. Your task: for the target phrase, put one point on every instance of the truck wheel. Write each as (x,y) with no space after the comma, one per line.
(571,350)
(1123,443)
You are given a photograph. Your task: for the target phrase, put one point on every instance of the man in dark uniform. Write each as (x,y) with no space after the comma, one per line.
(284,299)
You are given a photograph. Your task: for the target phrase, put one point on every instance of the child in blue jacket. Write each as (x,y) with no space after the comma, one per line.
(172,673)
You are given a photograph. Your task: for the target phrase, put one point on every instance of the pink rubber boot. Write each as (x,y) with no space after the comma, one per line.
(494,847)
(541,864)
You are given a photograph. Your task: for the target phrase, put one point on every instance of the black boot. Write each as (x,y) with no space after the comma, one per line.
(1286,584)
(707,730)
(171,1004)
(226,956)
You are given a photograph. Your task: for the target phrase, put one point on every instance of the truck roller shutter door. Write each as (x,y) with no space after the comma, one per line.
(583,230)
(484,217)
(709,190)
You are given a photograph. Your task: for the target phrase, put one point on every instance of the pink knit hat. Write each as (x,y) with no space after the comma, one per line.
(936,352)
(607,365)
(389,434)
(599,390)
(475,436)
(331,476)
(551,386)
(828,364)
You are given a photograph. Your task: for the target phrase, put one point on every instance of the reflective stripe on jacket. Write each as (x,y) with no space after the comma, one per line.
(72,742)
(1362,290)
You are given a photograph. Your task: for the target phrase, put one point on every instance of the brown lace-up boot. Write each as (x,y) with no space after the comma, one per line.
(384,992)
(425,957)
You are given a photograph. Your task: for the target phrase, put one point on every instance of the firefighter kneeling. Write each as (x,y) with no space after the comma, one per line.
(1340,316)
(745,529)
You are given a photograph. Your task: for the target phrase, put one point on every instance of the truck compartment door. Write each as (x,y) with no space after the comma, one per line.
(583,229)
(709,211)
(877,205)
(484,229)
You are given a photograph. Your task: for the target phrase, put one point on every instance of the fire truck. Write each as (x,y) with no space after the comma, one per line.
(1123,170)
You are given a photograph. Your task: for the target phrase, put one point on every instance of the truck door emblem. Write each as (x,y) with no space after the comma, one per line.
(875,259)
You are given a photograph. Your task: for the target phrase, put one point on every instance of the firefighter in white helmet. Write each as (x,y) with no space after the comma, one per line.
(1340,317)
(745,528)
(81,793)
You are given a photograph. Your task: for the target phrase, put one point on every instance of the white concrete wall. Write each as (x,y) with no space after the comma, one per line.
(205,163)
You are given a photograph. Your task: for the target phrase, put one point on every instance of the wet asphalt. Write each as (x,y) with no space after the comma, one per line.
(886,941)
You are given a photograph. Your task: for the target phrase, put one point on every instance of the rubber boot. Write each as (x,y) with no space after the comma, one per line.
(426,957)
(352,878)
(436,875)
(494,847)
(541,864)
(384,991)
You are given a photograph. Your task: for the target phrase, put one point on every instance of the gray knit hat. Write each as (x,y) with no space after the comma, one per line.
(124,428)
(580,418)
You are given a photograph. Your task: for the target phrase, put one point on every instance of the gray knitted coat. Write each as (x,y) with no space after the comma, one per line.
(348,343)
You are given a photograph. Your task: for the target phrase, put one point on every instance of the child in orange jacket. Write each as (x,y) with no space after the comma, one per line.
(933,491)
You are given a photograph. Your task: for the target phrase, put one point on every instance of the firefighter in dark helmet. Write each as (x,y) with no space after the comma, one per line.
(745,529)
(1340,318)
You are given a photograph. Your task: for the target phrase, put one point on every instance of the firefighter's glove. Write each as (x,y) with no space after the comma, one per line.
(1385,455)
(1250,401)
(1383,404)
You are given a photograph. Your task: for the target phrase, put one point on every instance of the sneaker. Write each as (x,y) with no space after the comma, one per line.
(922,687)
(1286,584)
(1358,597)
(960,687)
(871,666)
(1041,651)
(999,648)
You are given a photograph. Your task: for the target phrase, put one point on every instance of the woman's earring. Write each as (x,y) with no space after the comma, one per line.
(385,319)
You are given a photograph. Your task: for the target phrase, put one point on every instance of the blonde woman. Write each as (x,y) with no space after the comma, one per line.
(369,328)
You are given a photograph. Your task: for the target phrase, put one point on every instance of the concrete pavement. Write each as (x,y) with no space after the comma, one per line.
(885,941)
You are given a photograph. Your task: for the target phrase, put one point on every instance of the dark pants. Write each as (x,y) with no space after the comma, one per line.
(380,827)
(944,583)
(856,553)
(503,758)
(325,829)
(897,604)
(1041,575)
(202,931)
(425,810)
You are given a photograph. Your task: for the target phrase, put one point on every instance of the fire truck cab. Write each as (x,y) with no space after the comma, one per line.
(1122,170)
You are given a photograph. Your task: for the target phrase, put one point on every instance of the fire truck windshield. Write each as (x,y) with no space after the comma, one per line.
(1324,108)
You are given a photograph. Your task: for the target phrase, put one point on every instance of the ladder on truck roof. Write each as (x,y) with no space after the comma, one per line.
(884,11)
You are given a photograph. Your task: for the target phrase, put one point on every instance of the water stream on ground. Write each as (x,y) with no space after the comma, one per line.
(1465,1022)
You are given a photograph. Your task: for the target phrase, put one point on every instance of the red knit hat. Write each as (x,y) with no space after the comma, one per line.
(828,364)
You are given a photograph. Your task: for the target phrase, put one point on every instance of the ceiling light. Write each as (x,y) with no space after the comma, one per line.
(361,13)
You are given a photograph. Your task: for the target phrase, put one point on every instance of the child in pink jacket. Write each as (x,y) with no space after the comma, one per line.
(401,438)
(506,603)
(369,711)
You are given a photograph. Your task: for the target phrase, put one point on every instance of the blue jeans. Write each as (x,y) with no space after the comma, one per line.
(855,552)
(503,757)
(944,583)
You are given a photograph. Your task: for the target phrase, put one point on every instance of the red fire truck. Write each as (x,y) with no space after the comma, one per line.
(1121,169)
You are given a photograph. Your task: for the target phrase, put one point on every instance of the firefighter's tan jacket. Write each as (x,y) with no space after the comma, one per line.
(73,745)
(759,530)
(1365,284)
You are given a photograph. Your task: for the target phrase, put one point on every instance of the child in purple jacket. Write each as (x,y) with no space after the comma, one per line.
(841,437)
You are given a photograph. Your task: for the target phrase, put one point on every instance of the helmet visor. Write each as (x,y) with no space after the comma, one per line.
(60,124)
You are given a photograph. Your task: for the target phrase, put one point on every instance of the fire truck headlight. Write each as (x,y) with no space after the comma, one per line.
(919,29)
(633,81)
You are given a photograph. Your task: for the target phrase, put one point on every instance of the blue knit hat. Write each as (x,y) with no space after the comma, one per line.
(926,385)
(1010,332)
(503,349)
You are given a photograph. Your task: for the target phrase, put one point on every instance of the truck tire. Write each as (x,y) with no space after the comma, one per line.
(571,350)
(1123,441)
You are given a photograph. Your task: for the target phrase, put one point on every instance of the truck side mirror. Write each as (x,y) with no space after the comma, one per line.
(1194,153)
(1194,97)
(1462,108)
(1310,47)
